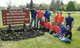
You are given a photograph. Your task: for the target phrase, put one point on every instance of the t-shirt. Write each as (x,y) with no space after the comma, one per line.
(57,29)
(69,20)
(47,25)
(52,28)
(33,13)
(60,19)
(47,14)
(63,29)
(56,17)
(42,23)
(40,14)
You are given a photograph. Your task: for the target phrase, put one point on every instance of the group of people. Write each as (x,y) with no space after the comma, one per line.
(37,16)
(61,27)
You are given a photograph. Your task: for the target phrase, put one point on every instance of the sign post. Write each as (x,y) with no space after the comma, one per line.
(13,16)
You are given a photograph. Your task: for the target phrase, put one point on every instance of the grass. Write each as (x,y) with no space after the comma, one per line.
(47,40)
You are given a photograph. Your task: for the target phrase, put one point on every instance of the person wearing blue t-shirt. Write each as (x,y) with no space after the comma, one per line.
(63,30)
(33,17)
(69,21)
(67,36)
(47,15)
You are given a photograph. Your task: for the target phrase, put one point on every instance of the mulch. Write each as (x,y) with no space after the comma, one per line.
(18,33)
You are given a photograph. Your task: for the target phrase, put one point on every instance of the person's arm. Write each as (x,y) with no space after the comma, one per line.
(43,14)
(72,22)
(55,19)
(65,21)
(60,30)
(36,13)
(65,31)
(49,13)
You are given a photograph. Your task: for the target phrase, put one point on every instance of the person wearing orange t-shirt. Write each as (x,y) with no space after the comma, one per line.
(46,26)
(39,16)
(60,19)
(52,28)
(56,17)
(57,31)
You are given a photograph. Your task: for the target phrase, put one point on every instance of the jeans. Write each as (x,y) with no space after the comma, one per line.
(33,19)
(38,19)
(69,35)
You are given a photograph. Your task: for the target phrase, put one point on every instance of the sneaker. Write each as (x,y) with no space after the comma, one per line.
(63,39)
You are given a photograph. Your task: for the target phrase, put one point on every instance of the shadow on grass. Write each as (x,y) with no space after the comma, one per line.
(20,34)
(67,42)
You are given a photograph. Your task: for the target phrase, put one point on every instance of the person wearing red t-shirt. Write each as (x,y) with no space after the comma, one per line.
(52,28)
(57,31)
(60,19)
(46,25)
(56,17)
(42,23)
(39,16)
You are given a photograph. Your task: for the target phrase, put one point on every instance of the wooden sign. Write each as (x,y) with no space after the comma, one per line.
(10,17)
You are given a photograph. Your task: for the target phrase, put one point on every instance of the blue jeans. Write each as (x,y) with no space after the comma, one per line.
(33,19)
(38,19)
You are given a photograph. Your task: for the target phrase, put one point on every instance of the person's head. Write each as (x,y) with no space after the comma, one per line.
(60,13)
(62,25)
(52,23)
(57,12)
(40,9)
(69,14)
(33,8)
(56,24)
(46,10)
(42,19)
(46,20)
(67,27)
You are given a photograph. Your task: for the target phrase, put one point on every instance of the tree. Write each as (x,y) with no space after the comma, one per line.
(27,5)
(45,6)
(70,6)
(52,5)
(61,6)
(41,6)
(9,6)
(58,4)
(55,4)
(77,6)
(31,4)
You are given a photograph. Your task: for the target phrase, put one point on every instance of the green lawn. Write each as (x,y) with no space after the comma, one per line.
(47,40)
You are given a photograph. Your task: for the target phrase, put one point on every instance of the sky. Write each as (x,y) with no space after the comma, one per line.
(4,3)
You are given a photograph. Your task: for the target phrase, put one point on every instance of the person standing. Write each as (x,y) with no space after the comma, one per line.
(60,19)
(39,16)
(69,21)
(56,17)
(33,17)
(47,15)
